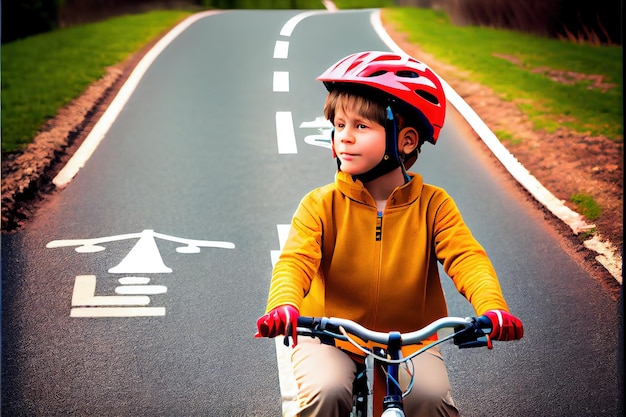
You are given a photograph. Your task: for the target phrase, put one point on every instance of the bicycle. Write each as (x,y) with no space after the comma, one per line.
(468,332)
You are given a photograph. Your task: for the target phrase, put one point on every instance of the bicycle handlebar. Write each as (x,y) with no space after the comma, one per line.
(469,331)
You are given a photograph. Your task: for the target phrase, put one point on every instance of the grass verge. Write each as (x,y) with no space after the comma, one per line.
(43,73)
(555,82)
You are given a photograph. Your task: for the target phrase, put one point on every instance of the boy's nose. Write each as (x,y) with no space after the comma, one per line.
(347,136)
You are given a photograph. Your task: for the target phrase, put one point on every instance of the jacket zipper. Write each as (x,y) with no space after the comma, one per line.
(379,226)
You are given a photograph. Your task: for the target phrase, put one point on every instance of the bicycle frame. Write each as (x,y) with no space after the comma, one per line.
(468,332)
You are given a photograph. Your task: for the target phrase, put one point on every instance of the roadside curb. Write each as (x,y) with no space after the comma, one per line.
(606,253)
(605,250)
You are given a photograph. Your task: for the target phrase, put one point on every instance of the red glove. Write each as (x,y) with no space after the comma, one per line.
(278,321)
(504,326)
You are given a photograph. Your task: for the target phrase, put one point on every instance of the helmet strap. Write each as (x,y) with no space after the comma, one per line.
(391,159)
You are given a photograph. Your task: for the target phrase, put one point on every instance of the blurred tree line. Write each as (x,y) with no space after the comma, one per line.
(594,21)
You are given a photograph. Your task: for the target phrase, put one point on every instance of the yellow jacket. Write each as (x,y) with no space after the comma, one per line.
(343,259)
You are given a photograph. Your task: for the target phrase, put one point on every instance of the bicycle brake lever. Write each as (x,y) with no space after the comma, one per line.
(470,337)
(287,333)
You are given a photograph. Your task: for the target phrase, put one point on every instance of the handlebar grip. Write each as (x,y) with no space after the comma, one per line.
(474,335)
(307,322)
(484,323)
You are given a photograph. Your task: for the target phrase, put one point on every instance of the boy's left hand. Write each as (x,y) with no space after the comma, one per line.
(504,325)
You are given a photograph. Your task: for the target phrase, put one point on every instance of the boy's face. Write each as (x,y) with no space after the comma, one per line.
(358,142)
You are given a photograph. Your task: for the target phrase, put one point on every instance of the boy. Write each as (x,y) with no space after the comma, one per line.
(366,247)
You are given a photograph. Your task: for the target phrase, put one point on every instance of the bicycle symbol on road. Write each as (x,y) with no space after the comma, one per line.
(133,292)
(324,127)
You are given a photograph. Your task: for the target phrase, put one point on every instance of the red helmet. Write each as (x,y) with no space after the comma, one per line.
(400,76)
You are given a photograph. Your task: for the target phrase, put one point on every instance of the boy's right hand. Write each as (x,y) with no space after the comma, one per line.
(277,321)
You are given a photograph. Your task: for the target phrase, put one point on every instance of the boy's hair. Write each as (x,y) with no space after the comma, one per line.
(362,105)
(372,104)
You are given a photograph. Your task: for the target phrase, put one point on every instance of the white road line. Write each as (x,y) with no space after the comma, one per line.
(84,152)
(133,280)
(608,257)
(286,379)
(281,49)
(283,233)
(285,134)
(117,312)
(281,82)
(141,289)
(286,144)
(288,27)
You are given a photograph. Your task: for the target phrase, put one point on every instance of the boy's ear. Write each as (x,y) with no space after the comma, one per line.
(407,140)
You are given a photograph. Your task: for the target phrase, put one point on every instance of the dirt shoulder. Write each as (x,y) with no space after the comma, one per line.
(565,162)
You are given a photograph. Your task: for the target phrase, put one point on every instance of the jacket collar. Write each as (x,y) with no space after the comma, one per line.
(355,190)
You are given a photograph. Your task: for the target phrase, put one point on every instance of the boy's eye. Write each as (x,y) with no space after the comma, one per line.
(361,126)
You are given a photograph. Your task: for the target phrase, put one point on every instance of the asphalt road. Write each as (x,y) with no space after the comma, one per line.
(171,224)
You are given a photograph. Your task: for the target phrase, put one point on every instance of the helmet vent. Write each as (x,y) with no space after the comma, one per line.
(427,96)
(407,74)
(377,73)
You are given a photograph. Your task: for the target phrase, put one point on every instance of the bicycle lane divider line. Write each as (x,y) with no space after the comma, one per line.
(286,140)
(607,256)
(285,134)
(286,378)
(291,24)
(97,134)
(281,82)
(281,50)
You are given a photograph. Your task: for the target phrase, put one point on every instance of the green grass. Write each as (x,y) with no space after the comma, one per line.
(586,205)
(507,137)
(480,51)
(43,73)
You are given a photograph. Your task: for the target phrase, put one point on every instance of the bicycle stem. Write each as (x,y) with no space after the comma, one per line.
(393,399)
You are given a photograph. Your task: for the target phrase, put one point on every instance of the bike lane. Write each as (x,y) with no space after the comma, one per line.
(239,196)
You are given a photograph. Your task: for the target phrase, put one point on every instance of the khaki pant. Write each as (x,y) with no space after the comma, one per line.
(325,374)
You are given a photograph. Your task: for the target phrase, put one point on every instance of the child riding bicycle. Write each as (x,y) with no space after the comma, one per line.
(366,247)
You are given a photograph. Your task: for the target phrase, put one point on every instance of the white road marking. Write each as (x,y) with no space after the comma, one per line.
(288,27)
(133,280)
(287,144)
(281,82)
(286,379)
(117,312)
(144,257)
(323,139)
(85,288)
(86,304)
(281,50)
(141,289)
(285,134)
